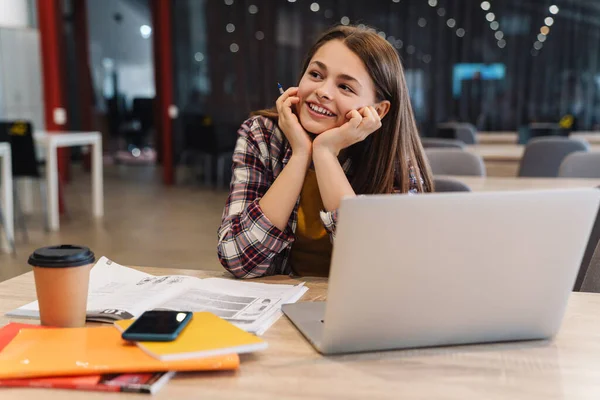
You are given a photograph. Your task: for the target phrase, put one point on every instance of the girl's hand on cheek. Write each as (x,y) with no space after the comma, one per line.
(289,124)
(361,123)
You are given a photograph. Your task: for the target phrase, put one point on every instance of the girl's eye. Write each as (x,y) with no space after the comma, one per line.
(314,74)
(346,88)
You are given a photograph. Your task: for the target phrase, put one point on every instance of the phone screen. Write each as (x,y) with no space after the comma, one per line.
(158,322)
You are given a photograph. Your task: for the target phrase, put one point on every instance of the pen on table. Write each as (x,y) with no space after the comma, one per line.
(280,88)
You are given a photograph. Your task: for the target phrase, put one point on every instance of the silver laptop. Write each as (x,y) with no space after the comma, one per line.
(448,269)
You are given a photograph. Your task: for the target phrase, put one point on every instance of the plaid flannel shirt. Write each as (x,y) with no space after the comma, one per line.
(249,245)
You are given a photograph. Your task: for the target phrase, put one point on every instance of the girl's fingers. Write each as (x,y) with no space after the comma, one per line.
(355,118)
(289,92)
(367,119)
(375,113)
(287,104)
(372,120)
(367,114)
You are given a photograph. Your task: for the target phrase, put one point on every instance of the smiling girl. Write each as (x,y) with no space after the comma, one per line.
(347,129)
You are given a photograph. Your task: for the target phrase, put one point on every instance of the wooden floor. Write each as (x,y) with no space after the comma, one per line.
(145,223)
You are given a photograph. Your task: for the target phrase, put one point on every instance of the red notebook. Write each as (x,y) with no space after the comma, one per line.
(148,383)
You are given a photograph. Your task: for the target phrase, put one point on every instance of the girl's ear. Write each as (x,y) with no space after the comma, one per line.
(383,108)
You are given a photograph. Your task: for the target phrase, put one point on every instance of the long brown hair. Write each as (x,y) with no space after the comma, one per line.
(382,162)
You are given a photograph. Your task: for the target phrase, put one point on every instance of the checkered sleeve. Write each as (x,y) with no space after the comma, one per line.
(329,219)
(247,240)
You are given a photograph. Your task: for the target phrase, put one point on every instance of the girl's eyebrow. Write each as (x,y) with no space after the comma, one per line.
(342,76)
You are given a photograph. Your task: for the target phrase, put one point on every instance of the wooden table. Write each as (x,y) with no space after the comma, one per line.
(504,159)
(590,136)
(499,159)
(496,183)
(506,152)
(567,367)
(498,137)
(512,137)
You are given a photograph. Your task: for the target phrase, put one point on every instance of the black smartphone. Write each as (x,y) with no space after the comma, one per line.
(157,326)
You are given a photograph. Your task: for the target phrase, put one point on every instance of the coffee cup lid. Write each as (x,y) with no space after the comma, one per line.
(62,256)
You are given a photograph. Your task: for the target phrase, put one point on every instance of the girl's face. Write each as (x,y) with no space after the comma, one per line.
(335,83)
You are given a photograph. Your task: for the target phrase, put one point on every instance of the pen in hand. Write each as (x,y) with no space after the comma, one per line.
(280,88)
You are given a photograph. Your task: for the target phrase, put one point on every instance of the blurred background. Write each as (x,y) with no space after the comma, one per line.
(168,82)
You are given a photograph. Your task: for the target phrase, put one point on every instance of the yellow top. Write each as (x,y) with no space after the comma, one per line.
(311,252)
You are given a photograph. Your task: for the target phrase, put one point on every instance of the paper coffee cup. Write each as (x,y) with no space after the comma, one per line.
(62,275)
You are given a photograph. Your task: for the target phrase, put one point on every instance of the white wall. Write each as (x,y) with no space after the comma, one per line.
(21,86)
(14,13)
(134,78)
(122,42)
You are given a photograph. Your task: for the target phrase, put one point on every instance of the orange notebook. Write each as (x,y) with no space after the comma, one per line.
(140,383)
(88,351)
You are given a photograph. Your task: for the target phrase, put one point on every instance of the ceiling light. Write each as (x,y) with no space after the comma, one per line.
(145,31)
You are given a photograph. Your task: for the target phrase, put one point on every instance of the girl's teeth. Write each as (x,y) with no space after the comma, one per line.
(320,110)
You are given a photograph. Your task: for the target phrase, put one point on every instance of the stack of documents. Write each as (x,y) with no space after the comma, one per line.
(121,293)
